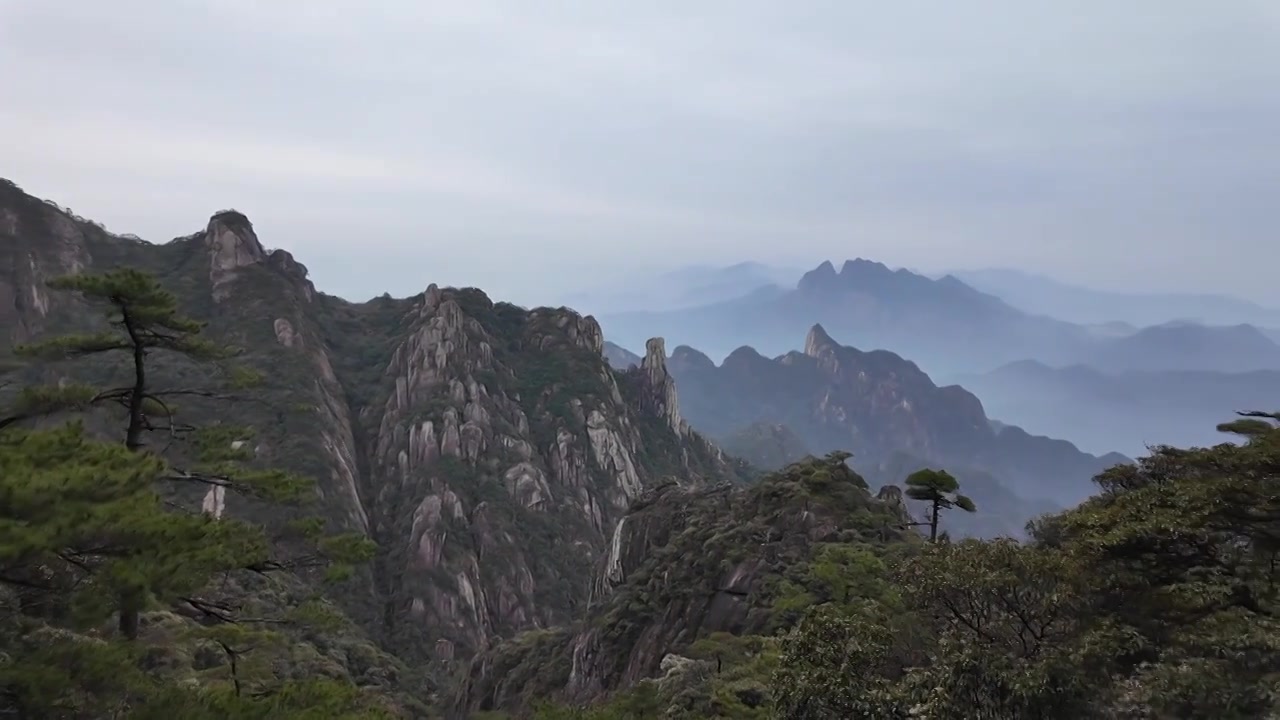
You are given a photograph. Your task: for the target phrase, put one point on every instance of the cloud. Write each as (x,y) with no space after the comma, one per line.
(1124,143)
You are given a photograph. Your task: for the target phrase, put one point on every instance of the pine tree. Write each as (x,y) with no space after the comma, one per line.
(117,535)
(940,490)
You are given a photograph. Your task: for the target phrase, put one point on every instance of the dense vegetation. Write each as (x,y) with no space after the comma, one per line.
(1156,599)
(210,617)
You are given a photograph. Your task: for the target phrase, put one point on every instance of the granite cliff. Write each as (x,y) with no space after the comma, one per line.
(694,576)
(488,449)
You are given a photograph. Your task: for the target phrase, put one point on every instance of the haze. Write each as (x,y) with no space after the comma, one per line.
(524,146)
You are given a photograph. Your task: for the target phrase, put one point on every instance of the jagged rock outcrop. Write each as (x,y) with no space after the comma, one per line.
(489,450)
(685,564)
(232,245)
(893,499)
(662,399)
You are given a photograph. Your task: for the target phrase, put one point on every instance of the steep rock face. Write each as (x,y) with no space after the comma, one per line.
(893,418)
(685,564)
(512,439)
(62,245)
(488,449)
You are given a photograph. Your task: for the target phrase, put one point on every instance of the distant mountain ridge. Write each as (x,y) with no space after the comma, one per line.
(1043,295)
(943,324)
(1184,346)
(1126,411)
(891,415)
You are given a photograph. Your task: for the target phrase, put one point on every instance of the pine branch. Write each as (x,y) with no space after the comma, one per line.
(74,346)
(224,613)
(1259,414)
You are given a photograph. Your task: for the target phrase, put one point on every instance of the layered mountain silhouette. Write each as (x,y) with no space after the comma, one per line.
(867,302)
(945,325)
(1126,411)
(1188,346)
(892,416)
(1042,295)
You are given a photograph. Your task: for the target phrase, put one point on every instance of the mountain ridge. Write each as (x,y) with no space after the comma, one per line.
(1041,294)
(891,415)
(1127,409)
(463,436)
(944,324)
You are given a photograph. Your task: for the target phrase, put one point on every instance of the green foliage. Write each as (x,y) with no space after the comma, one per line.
(91,530)
(1156,599)
(834,665)
(142,312)
(941,491)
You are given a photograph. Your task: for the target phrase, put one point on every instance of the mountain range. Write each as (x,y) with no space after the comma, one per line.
(944,325)
(487,449)
(1041,295)
(1125,411)
(889,414)
(559,518)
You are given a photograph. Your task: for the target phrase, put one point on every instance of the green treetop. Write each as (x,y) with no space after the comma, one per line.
(941,491)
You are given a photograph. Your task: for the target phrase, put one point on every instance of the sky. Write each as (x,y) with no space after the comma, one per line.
(531,148)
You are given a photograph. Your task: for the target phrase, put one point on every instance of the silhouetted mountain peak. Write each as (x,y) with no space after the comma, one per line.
(821,278)
(743,356)
(858,268)
(818,341)
(687,358)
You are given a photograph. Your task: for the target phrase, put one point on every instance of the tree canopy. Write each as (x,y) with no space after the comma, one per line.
(92,529)
(1155,599)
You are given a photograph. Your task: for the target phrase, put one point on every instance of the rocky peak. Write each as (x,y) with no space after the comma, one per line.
(818,342)
(584,330)
(893,498)
(861,268)
(662,386)
(744,358)
(485,448)
(655,358)
(686,358)
(819,279)
(232,245)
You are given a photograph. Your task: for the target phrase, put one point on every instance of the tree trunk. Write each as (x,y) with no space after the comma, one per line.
(133,436)
(130,605)
(933,523)
(131,600)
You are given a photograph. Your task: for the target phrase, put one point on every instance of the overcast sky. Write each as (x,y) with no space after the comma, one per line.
(525,146)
